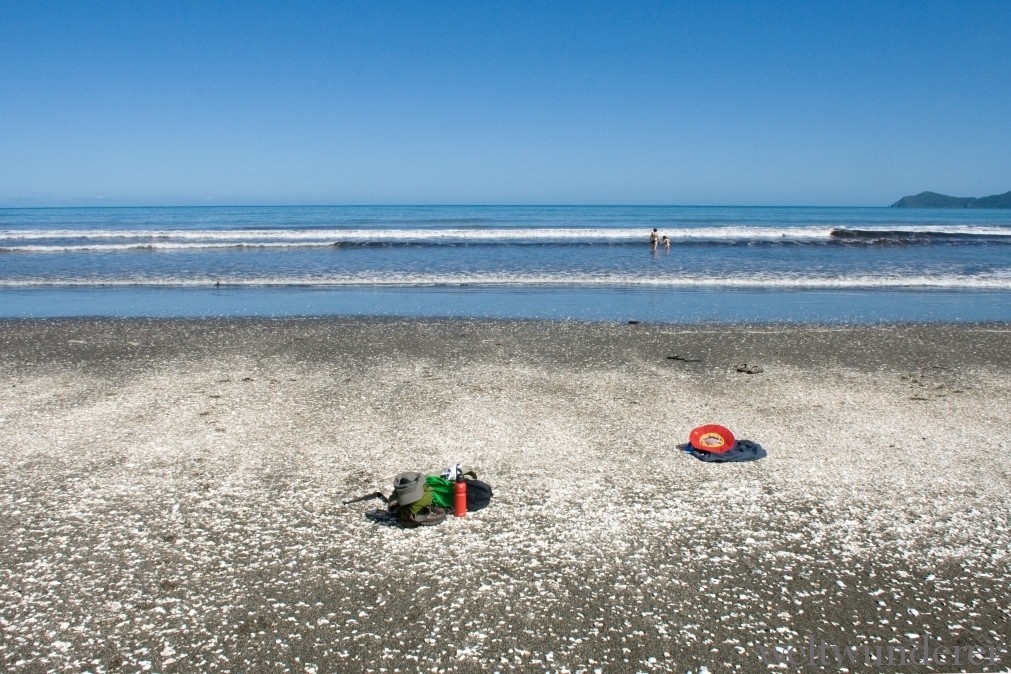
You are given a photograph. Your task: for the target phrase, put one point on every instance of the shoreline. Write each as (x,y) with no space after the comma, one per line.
(172,493)
(687,305)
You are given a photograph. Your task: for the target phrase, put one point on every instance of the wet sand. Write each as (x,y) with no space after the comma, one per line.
(171,496)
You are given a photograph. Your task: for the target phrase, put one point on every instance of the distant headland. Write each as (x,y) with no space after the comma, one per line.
(935,200)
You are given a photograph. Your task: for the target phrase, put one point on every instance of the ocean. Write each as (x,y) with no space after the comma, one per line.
(725,264)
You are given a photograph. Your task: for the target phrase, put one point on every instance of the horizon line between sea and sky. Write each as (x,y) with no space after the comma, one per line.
(423,204)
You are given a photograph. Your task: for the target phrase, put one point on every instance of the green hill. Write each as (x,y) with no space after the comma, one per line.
(935,200)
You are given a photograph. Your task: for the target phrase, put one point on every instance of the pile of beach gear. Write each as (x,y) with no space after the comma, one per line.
(420,499)
(714,443)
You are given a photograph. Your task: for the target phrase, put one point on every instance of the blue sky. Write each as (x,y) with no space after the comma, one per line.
(752,103)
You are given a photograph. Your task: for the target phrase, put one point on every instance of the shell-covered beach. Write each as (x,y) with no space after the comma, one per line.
(171,496)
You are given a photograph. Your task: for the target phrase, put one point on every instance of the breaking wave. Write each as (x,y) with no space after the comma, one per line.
(122,240)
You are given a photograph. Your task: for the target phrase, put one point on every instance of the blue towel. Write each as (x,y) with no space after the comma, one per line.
(743,450)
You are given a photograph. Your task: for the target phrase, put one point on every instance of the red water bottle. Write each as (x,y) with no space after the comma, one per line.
(460,496)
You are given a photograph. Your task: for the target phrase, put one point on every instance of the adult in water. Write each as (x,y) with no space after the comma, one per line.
(654,239)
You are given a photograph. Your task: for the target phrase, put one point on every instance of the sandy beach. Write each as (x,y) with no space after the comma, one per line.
(171,497)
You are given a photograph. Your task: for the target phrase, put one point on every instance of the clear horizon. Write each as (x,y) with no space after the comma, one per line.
(519,103)
(457,205)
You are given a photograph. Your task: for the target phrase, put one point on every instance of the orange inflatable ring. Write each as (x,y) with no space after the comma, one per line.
(712,438)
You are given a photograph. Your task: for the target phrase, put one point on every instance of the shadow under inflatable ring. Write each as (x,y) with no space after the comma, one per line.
(712,438)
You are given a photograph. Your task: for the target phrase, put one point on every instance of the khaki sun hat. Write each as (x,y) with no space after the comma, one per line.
(409,487)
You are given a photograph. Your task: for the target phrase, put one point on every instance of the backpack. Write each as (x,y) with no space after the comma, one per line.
(478,494)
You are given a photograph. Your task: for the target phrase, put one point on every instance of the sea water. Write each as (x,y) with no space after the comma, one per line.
(565,262)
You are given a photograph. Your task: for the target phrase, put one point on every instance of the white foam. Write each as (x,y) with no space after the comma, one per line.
(727,231)
(415,234)
(110,240)
(159,246)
